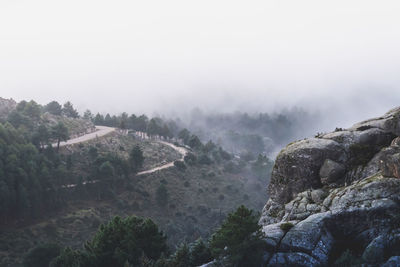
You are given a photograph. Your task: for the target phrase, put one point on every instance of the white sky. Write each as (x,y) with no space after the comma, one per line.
(147,56)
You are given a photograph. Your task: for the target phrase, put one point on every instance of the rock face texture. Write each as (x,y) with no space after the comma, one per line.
(339,193)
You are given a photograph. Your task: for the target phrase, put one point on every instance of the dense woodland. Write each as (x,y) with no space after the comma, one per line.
(34,175)
(135,241)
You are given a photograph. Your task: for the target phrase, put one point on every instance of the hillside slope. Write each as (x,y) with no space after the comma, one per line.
(335,199)
(199,197)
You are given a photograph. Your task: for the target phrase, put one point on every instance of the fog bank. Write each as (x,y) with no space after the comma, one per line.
(340,58)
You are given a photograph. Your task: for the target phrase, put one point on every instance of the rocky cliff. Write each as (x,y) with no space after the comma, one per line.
(336,197)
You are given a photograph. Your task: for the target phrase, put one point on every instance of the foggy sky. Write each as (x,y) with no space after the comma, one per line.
(341,57)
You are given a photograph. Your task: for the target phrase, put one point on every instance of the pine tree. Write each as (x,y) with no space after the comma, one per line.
(239,239)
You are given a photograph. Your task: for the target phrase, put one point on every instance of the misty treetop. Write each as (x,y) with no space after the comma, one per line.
(240,132)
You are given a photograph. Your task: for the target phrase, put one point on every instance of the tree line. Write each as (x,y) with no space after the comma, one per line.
(136,241)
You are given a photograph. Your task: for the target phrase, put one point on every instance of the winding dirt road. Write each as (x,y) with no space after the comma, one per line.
(100,131)
(181,150)
(103,130)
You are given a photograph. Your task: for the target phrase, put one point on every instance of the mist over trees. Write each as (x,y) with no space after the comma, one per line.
(239,133)
(34,176)
(258,133)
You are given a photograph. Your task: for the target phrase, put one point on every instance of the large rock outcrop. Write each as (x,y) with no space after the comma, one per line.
(336,197)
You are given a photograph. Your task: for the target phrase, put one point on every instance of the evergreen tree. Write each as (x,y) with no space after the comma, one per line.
(153,127)
(181,257)
(194,142)
(87,115)
(41,136)
(184,135)
(239,239)
(123,240)
(69,111)
(200,253)
(99,119)
(53,108)
(60,133)
(136,158)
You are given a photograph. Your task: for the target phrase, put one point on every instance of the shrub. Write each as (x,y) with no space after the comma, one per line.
(179,165)
(202,209)
(199,253)
(211,174)
(190,159)
(286,226)
(204,160)
(162,196)
(231,167)
(69,258)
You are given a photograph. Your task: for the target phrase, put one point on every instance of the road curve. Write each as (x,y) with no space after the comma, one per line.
(183,151)
(100,131)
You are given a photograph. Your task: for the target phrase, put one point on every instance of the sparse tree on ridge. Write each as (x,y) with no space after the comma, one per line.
(184,135)
(69,111)
(98,119)
(53,108)
(87,115)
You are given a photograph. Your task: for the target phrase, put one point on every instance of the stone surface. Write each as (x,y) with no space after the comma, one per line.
(293,259)
(392,262)
(297,167)
(331,172)
(342,192)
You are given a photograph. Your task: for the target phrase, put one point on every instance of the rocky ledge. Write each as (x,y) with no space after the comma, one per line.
(336,198)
